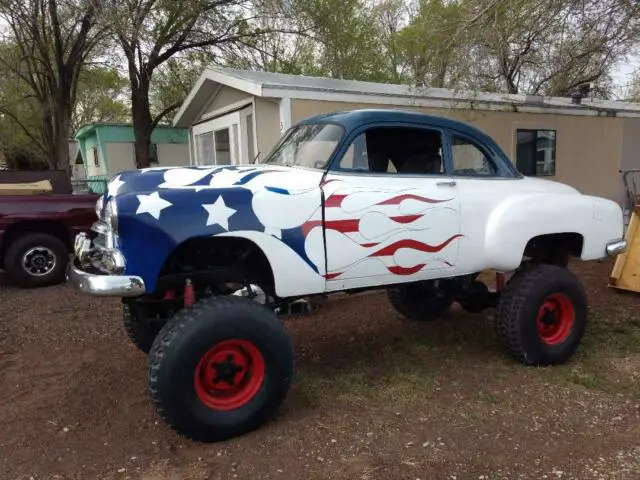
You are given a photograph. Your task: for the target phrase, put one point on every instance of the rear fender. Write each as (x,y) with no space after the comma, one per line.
(520,218)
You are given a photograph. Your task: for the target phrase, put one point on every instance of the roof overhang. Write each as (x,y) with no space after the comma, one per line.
(207,85)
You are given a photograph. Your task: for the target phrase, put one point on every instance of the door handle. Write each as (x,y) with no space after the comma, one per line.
(451,183)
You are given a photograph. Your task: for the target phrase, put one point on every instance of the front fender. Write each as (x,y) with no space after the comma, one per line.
(518,219)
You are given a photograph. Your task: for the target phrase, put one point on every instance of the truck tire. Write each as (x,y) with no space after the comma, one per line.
(419,302)
(36,260)
(140,331)
(542,315)
(220,369)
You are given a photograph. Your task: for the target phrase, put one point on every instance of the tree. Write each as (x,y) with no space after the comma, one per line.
(151,32)
(101,97)
(48,44)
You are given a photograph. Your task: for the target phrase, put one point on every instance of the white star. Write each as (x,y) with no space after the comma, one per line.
(114,186)
(152,204)
(219,213)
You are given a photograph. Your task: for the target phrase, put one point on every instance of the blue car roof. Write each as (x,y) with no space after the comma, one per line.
(351,119)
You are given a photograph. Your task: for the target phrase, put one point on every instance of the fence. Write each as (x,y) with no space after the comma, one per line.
(92,185)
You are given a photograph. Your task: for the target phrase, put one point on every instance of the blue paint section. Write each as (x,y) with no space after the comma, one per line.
(147,242)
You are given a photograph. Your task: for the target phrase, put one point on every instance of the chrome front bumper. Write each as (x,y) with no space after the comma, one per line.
(616,247)
(102,257)
(105,285)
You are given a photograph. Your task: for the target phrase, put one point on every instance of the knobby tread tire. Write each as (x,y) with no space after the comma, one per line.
(515,318)
(414,302)
(141,332)
(218,317)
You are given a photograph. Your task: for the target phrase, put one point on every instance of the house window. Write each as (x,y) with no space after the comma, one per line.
(96,157)
(536,152)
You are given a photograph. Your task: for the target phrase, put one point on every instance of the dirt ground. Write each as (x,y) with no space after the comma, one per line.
(375,397)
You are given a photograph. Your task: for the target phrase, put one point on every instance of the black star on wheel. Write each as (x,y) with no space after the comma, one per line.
(226,371)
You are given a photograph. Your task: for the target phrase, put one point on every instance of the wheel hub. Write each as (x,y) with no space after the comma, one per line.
(555,319)
(229,375)
(39,261)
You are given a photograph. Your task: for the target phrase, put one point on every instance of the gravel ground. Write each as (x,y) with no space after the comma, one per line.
(375,397)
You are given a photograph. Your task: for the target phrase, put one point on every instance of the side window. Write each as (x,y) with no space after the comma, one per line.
(395,150)
(536,152)
(469,160)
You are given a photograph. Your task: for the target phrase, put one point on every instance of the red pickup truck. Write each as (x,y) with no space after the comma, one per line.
(37,232)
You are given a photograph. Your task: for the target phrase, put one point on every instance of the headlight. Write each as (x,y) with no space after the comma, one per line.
(111,215)
(99,205)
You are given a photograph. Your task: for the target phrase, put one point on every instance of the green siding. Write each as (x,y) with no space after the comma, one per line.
(92,135)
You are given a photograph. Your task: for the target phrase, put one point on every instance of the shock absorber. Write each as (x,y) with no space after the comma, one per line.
(189,294)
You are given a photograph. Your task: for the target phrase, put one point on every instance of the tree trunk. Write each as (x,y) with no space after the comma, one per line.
(61,140)
(142,123)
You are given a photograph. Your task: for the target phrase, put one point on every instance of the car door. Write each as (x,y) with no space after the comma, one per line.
(484,179)
(391,214)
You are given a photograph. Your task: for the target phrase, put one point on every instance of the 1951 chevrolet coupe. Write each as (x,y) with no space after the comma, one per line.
(413,204)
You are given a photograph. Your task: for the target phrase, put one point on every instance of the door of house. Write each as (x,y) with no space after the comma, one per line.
(225,140)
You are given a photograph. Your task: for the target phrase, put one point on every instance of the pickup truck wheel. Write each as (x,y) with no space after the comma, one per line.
(220,369)
(419,302)
(36,260)
(140,330)
(542,315)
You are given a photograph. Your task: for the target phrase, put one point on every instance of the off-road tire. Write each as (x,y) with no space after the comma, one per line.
(13,264)
(519,308)
(185,340)
(419,302)
(140,331)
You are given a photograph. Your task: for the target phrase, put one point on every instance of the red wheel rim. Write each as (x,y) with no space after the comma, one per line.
(229,375)
(555,319)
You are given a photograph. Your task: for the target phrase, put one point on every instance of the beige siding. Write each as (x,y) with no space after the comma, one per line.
(589,149)
(121,157)
(92,169)
(173,154)
(268,125)
(225,97)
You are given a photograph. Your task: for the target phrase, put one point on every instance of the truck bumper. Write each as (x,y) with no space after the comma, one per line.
(616,247)
(105,285)
(99,270)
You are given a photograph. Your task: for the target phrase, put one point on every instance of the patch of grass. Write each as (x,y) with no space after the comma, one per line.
(488,397)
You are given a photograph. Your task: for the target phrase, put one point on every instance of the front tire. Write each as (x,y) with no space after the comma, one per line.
(542,315)
(36,260)
(220,369)
(420,301)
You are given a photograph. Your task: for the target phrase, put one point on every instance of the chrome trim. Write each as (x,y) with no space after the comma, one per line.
(100,228)
(616,247)
(105,285)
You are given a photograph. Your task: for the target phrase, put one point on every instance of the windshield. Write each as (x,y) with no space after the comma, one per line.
(308,146)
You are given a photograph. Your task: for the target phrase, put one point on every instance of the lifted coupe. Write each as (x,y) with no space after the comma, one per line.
(413,204)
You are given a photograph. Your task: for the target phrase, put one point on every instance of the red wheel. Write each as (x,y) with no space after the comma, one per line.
(220,368)
(229,375)
(542,315)
(555,319)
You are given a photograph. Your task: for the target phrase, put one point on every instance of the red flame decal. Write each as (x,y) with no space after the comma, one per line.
(414,245)
(396,270)
(407,196)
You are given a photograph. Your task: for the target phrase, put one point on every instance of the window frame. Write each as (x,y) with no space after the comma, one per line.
(536,131)
(334,165)
(285,137)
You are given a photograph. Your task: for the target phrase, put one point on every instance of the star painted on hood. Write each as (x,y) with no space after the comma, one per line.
(219,213)
(114,186)
(152,204)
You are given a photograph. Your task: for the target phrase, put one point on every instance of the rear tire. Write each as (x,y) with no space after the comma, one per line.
(220,369)
(542,315)
(35,260)
(420,301)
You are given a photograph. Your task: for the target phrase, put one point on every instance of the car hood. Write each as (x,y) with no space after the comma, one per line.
(200,178)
